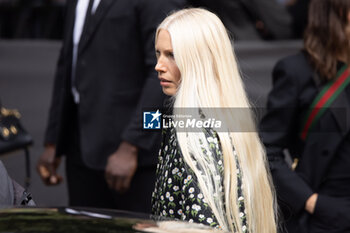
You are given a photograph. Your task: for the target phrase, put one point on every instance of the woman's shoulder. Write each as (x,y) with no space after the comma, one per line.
(295,68)
(294,63)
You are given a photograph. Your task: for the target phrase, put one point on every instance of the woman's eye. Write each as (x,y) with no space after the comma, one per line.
(157,54)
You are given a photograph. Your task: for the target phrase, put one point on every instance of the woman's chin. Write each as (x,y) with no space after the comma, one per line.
(169,91)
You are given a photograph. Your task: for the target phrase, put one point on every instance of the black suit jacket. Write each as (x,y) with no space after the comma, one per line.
(115,78)
(294,89)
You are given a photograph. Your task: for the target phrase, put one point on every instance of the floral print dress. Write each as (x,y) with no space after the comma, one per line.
(177,194)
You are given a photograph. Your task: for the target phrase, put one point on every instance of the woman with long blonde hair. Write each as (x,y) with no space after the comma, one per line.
(216,175)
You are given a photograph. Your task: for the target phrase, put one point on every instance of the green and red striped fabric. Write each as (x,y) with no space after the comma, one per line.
(324,99)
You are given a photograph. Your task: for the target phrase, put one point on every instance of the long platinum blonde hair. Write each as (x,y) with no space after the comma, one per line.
(210,79)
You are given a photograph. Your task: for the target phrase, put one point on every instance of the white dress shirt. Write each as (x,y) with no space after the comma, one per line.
(80,14)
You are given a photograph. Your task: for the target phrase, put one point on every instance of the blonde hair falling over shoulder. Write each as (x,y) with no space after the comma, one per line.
(210,79)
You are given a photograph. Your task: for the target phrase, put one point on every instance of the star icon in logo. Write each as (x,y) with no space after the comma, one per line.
(156,115)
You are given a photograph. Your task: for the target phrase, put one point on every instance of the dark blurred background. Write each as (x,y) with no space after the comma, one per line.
(34,19)
(246,19)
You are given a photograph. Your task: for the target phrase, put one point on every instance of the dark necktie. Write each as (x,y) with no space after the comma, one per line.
(88,16)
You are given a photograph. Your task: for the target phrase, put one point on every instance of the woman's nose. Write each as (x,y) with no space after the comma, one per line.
(160,66)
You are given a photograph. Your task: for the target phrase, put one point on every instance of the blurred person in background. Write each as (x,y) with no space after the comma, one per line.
(217,178)
(11,193)
(104,78)
(308,113)
(251,19)
(298,9)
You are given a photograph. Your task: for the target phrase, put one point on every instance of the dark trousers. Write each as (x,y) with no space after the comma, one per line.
(88,188)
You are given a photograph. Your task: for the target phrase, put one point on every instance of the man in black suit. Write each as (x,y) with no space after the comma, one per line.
(105,76)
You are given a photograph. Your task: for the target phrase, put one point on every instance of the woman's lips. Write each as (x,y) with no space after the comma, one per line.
(164,82)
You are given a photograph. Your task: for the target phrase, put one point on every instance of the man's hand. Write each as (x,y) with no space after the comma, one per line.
(47,166)
(121,167)
(311,203)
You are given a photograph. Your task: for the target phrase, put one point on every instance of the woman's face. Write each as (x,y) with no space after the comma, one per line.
(168,72)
